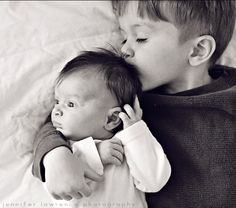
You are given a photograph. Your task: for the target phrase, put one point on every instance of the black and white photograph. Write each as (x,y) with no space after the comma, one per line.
(118,104)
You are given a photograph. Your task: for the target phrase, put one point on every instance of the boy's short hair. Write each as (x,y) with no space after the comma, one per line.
(193,17)
(121,78)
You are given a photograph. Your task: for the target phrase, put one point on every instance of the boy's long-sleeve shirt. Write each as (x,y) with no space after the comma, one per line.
(145,169)
(197,130)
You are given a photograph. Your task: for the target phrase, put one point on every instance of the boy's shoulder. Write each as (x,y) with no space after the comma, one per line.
(227,73)
(224,81)
(219,94)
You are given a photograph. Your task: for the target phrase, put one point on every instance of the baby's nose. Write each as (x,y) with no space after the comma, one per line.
(58,112)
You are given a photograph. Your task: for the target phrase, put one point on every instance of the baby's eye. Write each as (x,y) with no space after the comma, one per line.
(124,41)
(70,104)
(56,101)
(141,40)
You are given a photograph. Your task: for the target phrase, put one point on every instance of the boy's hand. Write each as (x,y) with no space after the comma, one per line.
(65,175)
(132,115)
(111,151)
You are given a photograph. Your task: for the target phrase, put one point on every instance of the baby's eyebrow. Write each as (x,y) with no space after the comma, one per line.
(72,96)
(120,29)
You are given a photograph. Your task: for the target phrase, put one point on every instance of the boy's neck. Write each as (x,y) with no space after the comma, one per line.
(193,78)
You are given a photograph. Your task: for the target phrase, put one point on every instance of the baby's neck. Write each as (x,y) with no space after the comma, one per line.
(105,136)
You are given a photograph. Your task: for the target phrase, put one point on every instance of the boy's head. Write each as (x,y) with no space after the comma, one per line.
(193,33)
(91,91)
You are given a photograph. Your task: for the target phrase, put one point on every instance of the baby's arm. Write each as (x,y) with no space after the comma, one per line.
(110,151)
(87,151)
(146,159)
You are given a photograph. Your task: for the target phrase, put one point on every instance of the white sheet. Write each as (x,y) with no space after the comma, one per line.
(36,39)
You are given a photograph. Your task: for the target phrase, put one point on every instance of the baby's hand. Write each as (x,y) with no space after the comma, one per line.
(111,151)
(132,115)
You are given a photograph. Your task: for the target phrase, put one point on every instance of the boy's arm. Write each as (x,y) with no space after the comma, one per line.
(65,174)
(146,159)
(47,139)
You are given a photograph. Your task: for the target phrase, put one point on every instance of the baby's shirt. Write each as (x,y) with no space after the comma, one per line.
(145,169)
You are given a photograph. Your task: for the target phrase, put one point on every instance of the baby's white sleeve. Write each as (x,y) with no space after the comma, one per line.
(146,159)
(86,149)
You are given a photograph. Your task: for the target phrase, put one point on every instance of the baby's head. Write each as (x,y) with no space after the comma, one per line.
(174,36)
(90,92)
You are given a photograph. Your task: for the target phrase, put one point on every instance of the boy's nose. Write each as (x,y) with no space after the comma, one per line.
(58,112)
(127,53)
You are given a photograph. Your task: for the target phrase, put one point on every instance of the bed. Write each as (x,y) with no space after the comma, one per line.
(36,39)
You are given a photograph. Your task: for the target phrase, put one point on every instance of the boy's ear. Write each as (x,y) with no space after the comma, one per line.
(203,48)
(112,120)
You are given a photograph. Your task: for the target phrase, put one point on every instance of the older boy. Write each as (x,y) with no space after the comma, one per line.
(189,101)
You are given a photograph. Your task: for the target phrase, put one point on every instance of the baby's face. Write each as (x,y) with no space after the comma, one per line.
(154,47)
(81,105)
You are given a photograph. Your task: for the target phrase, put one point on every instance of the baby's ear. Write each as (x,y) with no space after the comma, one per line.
(203,48)
(112,120)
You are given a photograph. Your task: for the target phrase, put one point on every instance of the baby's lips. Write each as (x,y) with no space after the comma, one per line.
(56,124)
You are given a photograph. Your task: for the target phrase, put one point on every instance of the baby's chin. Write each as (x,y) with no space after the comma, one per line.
(69,135)
(63,131)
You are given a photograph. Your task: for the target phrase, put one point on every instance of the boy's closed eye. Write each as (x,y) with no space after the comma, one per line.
(141,40)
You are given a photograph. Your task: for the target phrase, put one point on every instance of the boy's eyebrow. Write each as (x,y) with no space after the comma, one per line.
(144,24)
(141,25)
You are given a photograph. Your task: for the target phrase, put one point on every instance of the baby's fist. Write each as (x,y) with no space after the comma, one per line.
(111,151)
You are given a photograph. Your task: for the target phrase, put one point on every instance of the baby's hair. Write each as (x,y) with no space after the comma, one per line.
(121,78)
(193,18)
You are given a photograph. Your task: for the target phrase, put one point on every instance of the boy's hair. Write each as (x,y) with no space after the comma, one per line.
(193,17)
(121,78)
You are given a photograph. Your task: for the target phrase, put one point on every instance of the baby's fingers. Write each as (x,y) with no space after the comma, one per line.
(124,117)
(126,120)
(114,160)
(118,147)
(137,107)
(114,140)
(129,110)
(117,155)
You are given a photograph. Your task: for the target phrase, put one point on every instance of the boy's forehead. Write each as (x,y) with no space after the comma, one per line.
(133,21)
(140,15)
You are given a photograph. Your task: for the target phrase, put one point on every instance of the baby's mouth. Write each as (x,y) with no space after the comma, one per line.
(57,125)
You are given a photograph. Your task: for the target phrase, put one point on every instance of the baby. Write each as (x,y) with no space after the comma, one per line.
(93,98)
